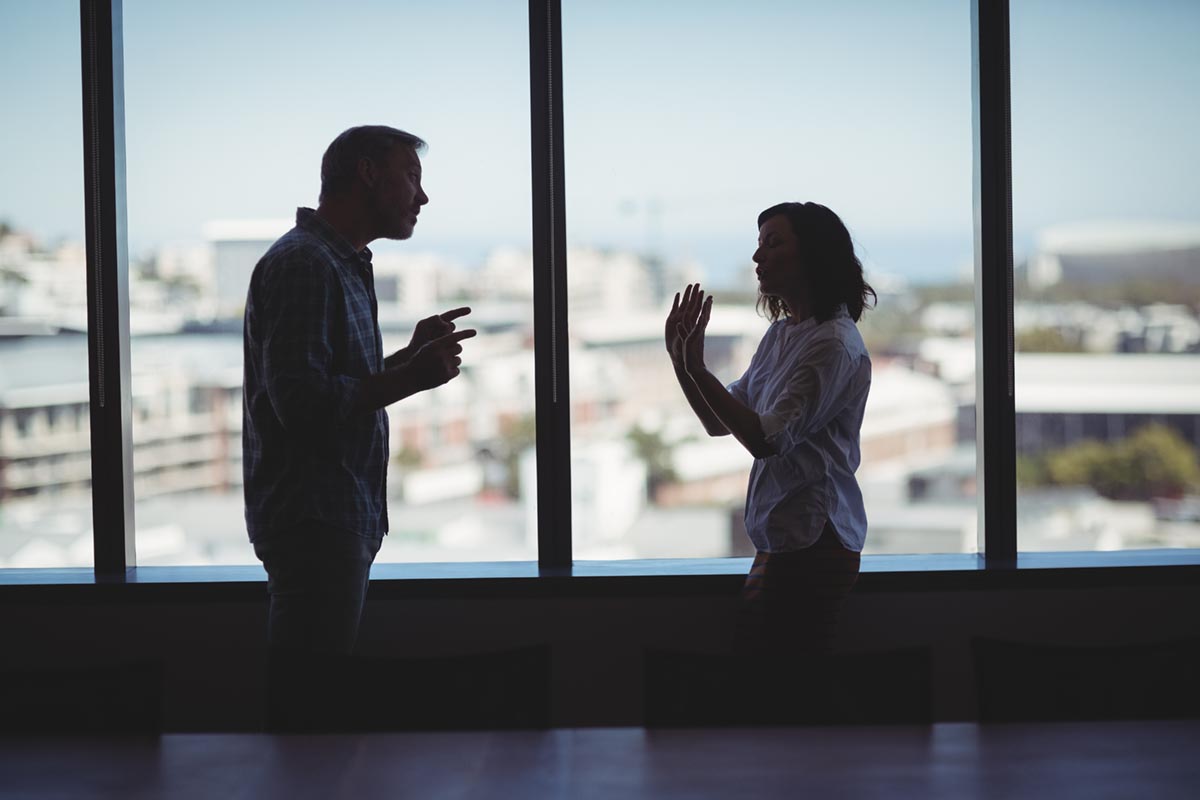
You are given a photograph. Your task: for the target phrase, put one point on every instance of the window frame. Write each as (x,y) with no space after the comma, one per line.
(996,564)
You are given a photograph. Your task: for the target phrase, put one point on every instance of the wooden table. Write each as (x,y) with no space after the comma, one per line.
(1139,760)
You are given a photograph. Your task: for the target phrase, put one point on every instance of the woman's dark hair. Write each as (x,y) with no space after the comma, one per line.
(340,162)
(832,270)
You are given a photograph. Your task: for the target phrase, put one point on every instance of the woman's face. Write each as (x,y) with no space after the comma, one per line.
(779,270)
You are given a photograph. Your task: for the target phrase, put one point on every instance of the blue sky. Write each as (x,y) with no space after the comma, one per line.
(707,112)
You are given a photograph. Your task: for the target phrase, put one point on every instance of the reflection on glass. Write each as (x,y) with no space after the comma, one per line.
(221,151)
(1107,235)
(710,114)
(45,437)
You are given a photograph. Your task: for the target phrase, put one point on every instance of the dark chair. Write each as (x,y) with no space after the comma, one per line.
(486,691)
(118,699)
(704,690)
(1035,682)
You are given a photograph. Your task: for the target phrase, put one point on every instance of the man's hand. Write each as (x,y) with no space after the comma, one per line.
(425,332)
(694,313)
(435,327)
(437,361)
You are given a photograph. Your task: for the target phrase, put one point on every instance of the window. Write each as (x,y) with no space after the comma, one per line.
(1107,243)
(229,110)
(682,122)
(45,458)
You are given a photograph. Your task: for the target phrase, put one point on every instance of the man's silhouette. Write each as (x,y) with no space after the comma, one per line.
(315,432)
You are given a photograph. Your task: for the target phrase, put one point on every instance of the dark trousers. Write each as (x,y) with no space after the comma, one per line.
(791,601)
(317,579)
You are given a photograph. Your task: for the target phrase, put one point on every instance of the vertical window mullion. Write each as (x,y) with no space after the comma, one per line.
(108,285)
(995,409)
(552,390)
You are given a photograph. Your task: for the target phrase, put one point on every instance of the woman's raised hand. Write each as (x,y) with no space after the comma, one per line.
(672,333)
(686,325)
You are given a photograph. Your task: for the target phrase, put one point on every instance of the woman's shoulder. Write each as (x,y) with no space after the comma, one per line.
(841,330)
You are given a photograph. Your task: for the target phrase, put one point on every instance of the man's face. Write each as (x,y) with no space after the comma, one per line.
(397,197)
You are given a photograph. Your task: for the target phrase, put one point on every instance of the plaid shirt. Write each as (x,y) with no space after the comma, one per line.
(311,334)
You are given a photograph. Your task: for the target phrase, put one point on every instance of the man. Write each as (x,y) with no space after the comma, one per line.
(315,432)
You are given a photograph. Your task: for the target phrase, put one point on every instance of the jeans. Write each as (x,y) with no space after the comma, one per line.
(317,579)
(791,601)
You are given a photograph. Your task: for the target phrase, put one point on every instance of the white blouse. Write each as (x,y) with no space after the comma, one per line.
(808,383)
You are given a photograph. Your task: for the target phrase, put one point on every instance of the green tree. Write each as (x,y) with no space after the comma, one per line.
(407,456)
(1031,471)
(1045,340)
(1164,462)
(1155,461)
(518,438)
(656,454)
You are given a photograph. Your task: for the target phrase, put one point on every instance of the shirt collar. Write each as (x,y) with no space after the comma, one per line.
(308,219)
(810,322)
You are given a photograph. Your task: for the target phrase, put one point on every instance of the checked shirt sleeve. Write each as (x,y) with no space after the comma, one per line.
(303,316)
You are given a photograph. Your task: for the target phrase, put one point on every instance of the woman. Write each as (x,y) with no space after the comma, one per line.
(798,409)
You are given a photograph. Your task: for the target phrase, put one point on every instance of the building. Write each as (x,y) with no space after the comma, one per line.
(1112,252)
(1064,398)
(237,245)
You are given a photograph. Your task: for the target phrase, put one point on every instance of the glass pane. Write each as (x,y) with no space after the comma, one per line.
(230,107)
(45,436)
(1106,222)
(683,122)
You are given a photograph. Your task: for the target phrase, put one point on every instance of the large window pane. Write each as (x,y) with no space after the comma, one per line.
(229,109)
(1107,239)
(45,437)
(683,122)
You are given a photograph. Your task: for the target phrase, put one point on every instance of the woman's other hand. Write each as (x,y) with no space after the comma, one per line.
(674,339)
(695,311)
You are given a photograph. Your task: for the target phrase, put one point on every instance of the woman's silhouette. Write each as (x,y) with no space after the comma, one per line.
(798,409)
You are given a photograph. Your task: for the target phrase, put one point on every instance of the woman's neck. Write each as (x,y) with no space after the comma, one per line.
(798,308)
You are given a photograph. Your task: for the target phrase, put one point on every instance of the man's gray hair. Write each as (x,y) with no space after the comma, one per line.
(339,166)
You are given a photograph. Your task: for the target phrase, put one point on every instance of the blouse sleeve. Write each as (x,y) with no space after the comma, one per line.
(740,388)
(818,389)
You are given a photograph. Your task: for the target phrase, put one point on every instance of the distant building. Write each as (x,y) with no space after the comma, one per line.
(186,437)
(237,246)
(1112,252)
(1064,398)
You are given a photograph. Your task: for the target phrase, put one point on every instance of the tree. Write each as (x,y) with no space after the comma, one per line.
(656,454)
(1164,463)
(1153,462)
(514,440)
(407,456)
(1031,471)
(1045,340)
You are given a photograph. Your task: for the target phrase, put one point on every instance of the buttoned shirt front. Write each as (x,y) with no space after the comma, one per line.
(311,335)
(808,382)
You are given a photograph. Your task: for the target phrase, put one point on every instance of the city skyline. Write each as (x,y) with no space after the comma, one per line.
(192,81)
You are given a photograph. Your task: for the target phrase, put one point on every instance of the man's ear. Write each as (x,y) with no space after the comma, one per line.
(367,172)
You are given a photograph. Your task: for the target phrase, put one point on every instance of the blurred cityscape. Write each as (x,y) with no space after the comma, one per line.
(1107,391)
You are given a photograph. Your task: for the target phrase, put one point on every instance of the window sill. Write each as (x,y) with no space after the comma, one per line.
(656,577)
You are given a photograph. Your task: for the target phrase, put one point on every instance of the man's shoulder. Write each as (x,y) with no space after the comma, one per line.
(298,251)
(298,243)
